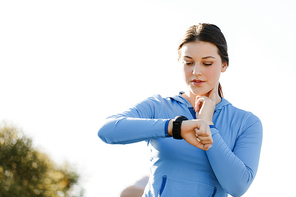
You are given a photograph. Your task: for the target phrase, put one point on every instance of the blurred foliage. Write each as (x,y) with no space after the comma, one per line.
(25,171)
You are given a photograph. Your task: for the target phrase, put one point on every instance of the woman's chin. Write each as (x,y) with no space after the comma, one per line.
(199,93)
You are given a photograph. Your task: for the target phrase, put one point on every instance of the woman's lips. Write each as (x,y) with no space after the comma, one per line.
(197,82)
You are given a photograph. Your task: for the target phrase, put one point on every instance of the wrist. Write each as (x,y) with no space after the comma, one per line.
(210,123)
(177,123)
(170,127)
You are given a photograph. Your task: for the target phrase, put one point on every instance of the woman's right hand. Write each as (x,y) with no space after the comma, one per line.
(205,106)
(196,132)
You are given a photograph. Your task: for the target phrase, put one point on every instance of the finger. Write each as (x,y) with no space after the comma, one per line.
(202,131)
(205,140)
(207,146)
(197,138)
(199,103)
(197,97)
(191,139)
(204,147)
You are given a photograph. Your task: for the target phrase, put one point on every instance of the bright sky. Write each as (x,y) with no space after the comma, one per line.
(67,65)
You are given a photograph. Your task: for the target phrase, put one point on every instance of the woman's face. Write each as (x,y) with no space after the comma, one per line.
(202,66)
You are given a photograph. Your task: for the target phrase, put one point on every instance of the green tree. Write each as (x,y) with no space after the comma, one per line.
(25,171)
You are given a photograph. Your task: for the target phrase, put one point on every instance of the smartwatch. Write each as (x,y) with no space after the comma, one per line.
(177,127)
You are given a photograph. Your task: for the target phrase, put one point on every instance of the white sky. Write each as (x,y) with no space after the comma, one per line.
(67,65)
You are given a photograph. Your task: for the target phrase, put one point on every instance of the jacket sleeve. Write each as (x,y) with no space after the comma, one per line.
(235,170)
(136,124)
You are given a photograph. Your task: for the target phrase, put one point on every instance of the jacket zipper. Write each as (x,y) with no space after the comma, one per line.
(164,179)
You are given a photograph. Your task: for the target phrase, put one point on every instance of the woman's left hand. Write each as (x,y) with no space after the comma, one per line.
(205,106)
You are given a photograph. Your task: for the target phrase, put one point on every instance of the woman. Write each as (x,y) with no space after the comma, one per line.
(220,150)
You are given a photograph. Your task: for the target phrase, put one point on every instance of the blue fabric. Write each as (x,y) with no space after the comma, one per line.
(166,128)
(212,126)
(228,167)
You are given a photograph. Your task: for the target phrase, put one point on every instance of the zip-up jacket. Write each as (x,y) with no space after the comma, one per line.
(180,169)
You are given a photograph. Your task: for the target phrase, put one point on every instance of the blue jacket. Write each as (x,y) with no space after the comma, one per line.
(180,169)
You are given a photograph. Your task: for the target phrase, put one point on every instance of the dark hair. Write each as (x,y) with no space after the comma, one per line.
(207,33)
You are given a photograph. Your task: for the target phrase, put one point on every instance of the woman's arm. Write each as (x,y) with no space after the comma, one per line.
(235,170)
(136,124)
(124,130)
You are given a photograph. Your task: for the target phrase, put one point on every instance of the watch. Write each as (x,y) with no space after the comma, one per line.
(177,127)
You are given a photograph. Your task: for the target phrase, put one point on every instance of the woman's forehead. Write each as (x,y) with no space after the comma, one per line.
(199,49)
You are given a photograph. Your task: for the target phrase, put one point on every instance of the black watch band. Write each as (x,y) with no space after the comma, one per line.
(177,127)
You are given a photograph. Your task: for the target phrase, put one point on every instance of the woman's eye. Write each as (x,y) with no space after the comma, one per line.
(188,63)
(207,63)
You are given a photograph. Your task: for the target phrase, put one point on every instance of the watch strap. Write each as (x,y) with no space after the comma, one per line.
(177,127)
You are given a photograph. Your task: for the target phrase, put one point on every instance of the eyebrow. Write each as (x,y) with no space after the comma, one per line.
(201,58)
(207,57)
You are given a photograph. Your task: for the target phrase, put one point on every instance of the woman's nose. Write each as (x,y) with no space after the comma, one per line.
(197,69)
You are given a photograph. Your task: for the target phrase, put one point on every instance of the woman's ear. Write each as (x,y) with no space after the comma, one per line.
(224,67)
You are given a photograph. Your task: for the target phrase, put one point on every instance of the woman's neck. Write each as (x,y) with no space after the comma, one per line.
(189,98)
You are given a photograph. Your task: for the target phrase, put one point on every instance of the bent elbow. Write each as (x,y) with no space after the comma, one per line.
(239,191)
(241,185)
(239,188)
(102,135)
(105,133)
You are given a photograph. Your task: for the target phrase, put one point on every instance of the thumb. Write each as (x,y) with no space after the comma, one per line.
(198,103)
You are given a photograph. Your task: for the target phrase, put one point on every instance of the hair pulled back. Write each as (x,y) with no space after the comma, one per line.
(206,32)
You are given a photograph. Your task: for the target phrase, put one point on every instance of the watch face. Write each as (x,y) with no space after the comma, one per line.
(177,123)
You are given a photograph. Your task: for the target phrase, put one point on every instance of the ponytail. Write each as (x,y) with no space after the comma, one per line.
(220,90)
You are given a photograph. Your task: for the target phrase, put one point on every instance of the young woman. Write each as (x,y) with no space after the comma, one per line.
(201,145)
